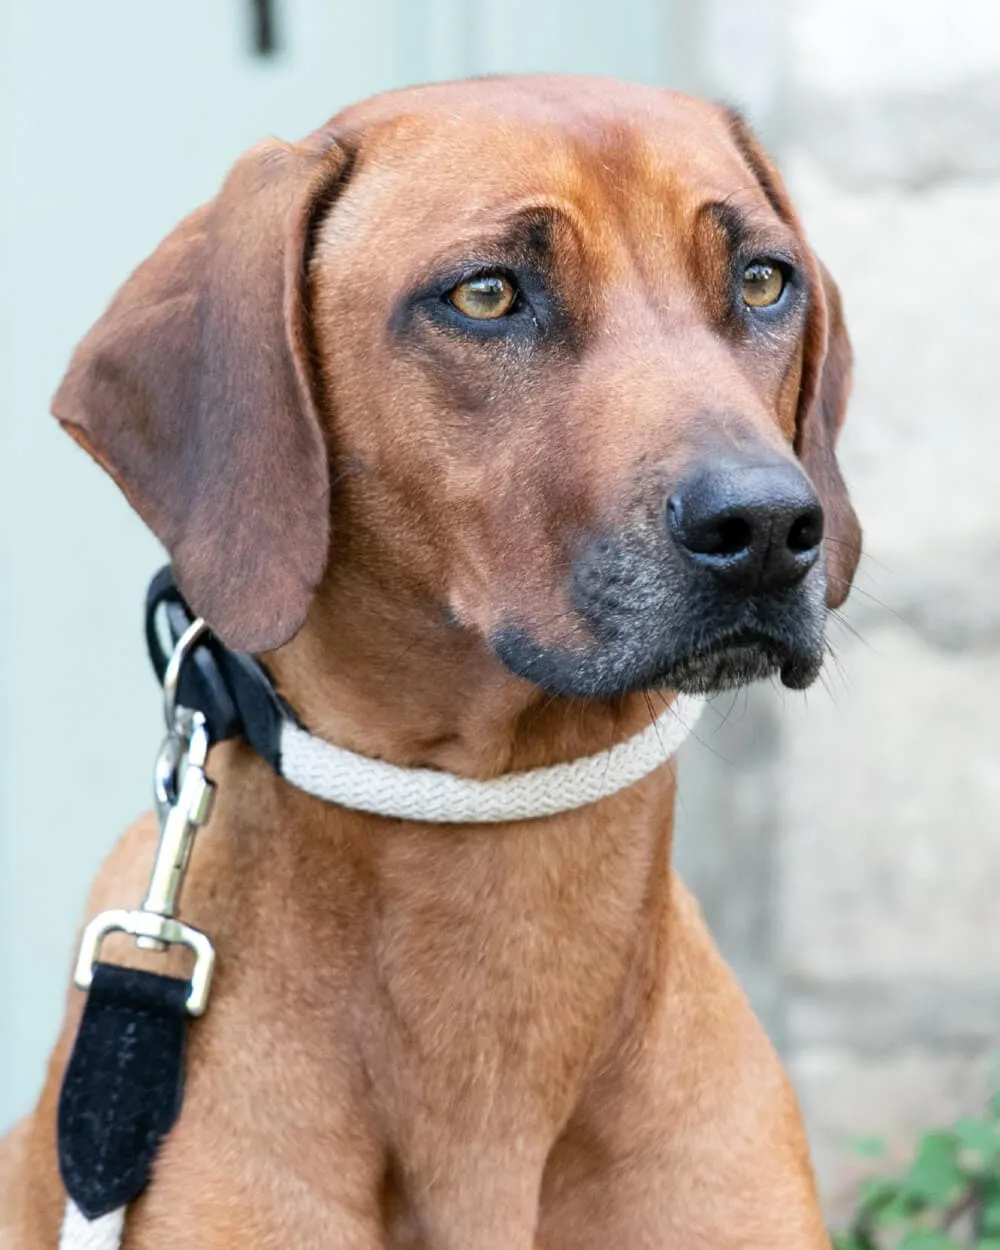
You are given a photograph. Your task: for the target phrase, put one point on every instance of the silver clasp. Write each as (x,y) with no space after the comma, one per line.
(183,807)
(183,803)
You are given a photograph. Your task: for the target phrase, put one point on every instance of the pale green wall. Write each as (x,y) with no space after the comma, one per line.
(117,117)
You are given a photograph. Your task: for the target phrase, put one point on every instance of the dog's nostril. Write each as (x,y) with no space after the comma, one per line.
(712,535)
(728,537)
(806,531)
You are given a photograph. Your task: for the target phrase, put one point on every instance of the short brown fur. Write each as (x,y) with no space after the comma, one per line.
(481,1038)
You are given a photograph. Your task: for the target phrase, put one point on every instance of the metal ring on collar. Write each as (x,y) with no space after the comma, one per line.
(172,676)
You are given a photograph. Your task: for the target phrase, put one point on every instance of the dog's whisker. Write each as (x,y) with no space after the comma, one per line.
(692,731)
(863,556)
(860,590)
(653,717)
(410,646)
(842,622)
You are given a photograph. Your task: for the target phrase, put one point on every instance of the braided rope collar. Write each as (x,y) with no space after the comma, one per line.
(423,794)
(237,698)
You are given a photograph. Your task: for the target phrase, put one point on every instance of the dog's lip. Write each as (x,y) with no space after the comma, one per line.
(746,644)
(735,641)
(736,656)
(711,660)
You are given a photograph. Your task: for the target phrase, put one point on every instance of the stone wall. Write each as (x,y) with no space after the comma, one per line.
(850,862)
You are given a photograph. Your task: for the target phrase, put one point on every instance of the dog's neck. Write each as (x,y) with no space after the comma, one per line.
(427,695)
(411,688)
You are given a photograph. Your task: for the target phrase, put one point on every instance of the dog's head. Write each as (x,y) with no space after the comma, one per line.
(552,358)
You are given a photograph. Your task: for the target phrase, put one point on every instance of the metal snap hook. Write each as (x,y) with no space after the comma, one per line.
(183,796)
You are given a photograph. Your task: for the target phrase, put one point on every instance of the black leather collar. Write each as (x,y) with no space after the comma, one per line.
(233,690)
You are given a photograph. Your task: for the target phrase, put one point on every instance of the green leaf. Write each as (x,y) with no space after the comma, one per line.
(989,1215)
(876,1191)
(934,1176)
(978,1145)
(927,1241)
(846,1241)
(856,1240)
(988,1243)
(895,1211)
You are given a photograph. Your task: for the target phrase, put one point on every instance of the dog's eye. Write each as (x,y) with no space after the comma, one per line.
(484,298)
(763,283)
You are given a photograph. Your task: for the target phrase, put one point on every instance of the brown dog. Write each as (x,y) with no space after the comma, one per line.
(481,412)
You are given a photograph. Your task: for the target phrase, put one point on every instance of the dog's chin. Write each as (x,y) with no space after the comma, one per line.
(605,672)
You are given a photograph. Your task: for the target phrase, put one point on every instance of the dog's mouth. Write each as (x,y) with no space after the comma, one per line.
(737,660)
(723,661)
(646,620)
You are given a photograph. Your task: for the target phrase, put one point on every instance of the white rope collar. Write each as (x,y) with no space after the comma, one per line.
(79,1233)
(423,794)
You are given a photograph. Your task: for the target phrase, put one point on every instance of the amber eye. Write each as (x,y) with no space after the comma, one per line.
(484,298)
(762,284)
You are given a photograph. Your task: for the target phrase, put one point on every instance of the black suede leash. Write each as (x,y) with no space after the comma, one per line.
(123,1087)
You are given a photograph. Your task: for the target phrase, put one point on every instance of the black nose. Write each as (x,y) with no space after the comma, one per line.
(757,526)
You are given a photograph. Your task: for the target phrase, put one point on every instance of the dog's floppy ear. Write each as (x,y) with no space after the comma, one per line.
(825,390)
(195,392)
(825,381)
